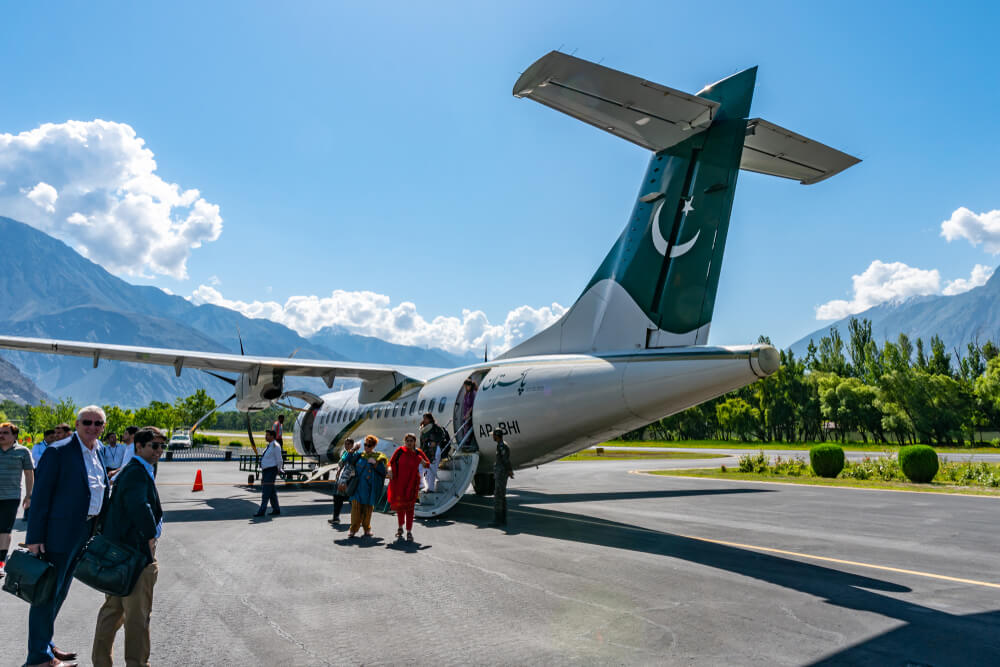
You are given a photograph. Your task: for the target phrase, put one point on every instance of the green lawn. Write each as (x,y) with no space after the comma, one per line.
(933,487)
(624,454)
(792,446)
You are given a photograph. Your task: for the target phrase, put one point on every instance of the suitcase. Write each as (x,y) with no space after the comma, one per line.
(29,577)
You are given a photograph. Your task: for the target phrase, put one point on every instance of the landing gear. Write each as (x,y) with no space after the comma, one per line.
(484,484)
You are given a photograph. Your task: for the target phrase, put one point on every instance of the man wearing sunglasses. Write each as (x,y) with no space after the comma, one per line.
(71,490)
(135,519)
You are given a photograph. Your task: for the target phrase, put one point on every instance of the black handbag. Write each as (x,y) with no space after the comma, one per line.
(30,577)
(110,567)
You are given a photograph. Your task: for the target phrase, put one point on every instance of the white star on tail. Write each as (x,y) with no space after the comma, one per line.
(688,206)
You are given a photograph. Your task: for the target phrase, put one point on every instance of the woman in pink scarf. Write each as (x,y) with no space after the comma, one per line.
(404,483)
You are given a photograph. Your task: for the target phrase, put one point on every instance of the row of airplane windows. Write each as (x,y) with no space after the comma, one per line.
(384,411)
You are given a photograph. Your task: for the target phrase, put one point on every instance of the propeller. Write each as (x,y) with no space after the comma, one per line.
(231,381)
(253,445)
(205,416)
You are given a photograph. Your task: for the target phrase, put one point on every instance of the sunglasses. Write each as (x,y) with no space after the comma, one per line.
(157,445)
(92,422)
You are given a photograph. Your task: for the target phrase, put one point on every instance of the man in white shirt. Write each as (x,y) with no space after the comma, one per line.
(39,448)
(270,465)
(129,447)
(113,454)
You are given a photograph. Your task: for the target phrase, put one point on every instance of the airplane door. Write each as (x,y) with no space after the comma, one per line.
(463,416)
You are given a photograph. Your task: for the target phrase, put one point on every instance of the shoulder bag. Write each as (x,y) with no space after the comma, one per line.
(110,567)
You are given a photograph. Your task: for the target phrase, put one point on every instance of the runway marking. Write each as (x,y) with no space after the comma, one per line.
(946,494)
(783,552)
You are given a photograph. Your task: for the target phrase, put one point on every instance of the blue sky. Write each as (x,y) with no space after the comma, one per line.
(377,150)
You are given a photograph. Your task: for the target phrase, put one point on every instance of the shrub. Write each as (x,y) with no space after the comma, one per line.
(827,460)
(235,443)
(884,468)
(792,467)
(919,463)
(199,439)
(754,463)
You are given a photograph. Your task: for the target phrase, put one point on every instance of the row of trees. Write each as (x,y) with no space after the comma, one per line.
(182,413)
(900,392)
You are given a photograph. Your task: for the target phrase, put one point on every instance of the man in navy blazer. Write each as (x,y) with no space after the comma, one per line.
(71,489)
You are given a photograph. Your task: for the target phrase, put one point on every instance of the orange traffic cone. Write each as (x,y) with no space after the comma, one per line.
(198,486)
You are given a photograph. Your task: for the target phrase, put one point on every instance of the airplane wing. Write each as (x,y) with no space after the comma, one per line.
(232,363)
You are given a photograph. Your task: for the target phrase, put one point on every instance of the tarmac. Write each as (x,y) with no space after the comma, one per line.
(601,564)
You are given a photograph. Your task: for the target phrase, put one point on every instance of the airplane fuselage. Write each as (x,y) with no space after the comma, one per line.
(547,406)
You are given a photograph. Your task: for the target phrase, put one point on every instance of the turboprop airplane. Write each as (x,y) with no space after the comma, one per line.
(632,348)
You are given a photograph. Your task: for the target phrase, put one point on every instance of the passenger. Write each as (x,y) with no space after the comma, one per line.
(271,463)
(63,431)
(404,481)
(466,423)
(433,440)
(113,454)
(47,439)
(61,524)
(15,462)
(129,446)
(338,499)
(371,468)
(279,429)
(502,471)
(135,519)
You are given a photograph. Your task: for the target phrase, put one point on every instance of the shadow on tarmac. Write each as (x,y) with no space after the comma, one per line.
(537,498)
(228,509)
(927,636)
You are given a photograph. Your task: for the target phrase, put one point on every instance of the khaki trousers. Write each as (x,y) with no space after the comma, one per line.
(361,516)
(132,612)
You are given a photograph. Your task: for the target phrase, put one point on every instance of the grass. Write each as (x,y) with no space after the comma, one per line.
(933,487)
(787,446)
(625,455)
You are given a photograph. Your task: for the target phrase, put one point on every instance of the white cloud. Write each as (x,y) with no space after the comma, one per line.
(93,184)
(980,274)
(879,283)
(896,281)
(371,314)
(975,227)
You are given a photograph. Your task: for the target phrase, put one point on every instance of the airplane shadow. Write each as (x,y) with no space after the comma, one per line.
(927,636)
(534,497)
(229,509)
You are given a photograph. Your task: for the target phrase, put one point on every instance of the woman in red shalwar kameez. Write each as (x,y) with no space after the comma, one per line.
(404,482)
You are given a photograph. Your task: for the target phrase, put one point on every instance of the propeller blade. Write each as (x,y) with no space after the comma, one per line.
(221,377)
(240,336)
(250,435)
(294,352)
(204,416)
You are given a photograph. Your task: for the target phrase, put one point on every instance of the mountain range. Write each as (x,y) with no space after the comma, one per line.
(959,319)
(48,290)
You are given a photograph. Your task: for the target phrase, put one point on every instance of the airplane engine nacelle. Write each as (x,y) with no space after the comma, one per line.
(258,393)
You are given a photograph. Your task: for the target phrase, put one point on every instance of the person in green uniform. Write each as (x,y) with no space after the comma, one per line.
(502,471)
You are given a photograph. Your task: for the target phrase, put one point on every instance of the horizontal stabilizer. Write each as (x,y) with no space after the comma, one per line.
(770,149)
(645,113)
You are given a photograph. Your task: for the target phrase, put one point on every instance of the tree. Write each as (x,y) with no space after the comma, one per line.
(159,414)
(117,419)
(189,410)
(736,416)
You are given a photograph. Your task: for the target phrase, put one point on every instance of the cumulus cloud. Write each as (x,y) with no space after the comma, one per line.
(980,274)
(895,281)
(93,184)
(371,314)
(975,227)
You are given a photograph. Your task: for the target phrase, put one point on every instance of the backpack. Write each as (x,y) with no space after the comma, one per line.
(347,483)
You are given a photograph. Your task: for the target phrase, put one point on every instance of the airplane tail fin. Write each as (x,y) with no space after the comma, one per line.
(657,285)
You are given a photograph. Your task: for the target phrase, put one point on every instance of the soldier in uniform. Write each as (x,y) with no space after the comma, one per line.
(502,471)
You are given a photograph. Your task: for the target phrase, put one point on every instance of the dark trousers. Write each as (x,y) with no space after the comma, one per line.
(338,504)
(269,492)
(42,617)
(500,498)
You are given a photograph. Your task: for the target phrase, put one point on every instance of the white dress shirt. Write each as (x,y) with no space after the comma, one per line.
(272,456)
(114,455)
(129,455)
(95,477)
(37,450)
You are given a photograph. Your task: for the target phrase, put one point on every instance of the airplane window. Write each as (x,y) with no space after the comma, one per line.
(441,404)
(395,409)
(413,406)
(421,408)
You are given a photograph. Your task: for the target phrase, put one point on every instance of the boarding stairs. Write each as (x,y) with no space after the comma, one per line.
(455,475)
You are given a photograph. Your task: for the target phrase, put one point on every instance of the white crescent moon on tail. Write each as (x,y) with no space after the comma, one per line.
(679,250)
(661,244)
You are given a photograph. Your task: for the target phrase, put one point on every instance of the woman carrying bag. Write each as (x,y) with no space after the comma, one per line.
(371,469)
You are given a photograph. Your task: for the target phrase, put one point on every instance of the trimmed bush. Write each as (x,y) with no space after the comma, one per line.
(919,463)
(826,460)
(235,443)
(200,439)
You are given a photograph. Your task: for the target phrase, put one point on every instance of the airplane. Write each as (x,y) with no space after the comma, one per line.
(632,349)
